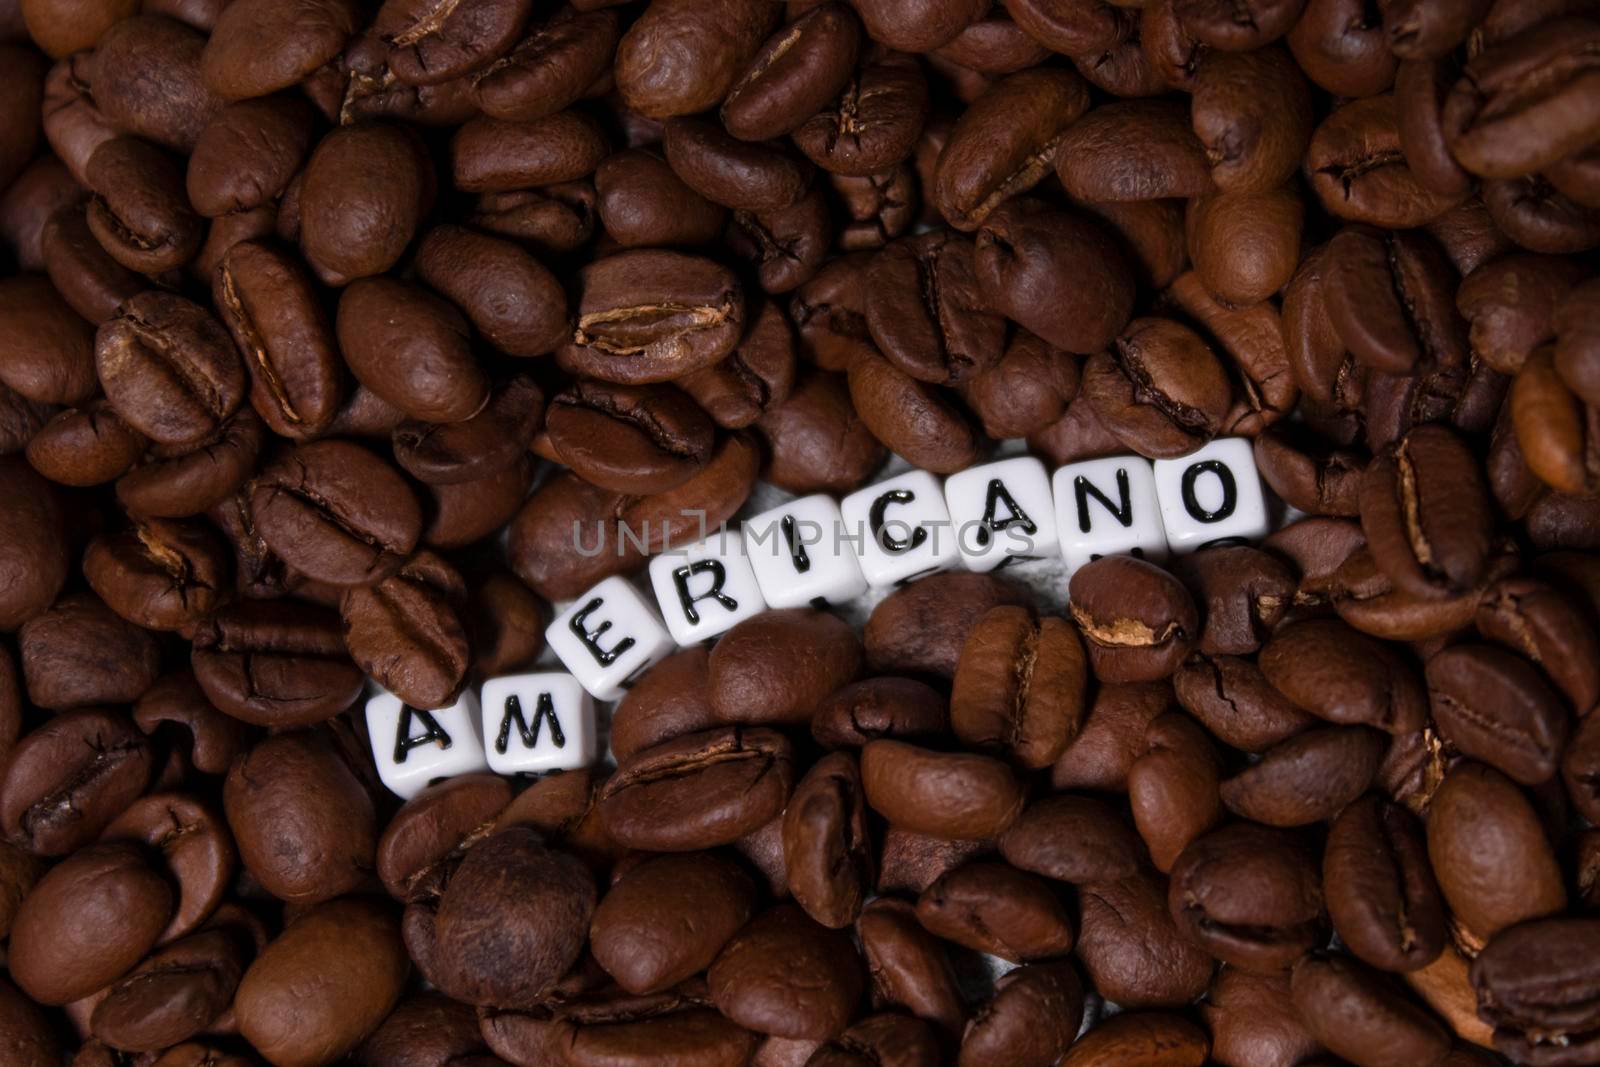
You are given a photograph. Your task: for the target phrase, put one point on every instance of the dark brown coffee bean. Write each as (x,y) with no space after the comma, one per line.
(275,663)
(699,790)
(347,958)
(412,349)
(668,918)
(1141,1038)
(650,316)
(708,44)
(798,71)
(1132,950)
(80,653)
(1552,426)
(1025,252)
(910,862)
(173,995)
(741,175)
(1160,389)
(304,823)
(489,443)
(177,701)
(48,350)
(513,301)
(1020,686)
(550,68)
(756,377)
(67,780)
(1420,91)
(1342,676)
(169,368)
(1245,593)
(879,707)
(541,537)
(1497,707)
(258,47)
(424,1029)
(429,46)
(1073,29)
(1547,626)
(630,439)
(1026,391)
(910,416)
(888,1039)
(1234,701)
(1389,298)
(405,631)
(873,124)
(278,321)
(1252,1020)
(34,547)
(816,440)
(87,922)
(605,1026)
(667,701)
(1381,893)
(923,627)
(490,155)
(1034,1016)
(995,908)
(83,272)
(1132,150)
(553,220)
(1342,47)
(427,836)
(909,967)
(783,974)
(179,481)
(363,193)
(643,202)
(196,847)
(1362,1015)
(828,854)
(139,211)
(1250,896)
(925,311)
(955,795)
(1005,143)
(1512,306)
(1112,738)
(754,675)
(1237,27)
(1074,839)
(785,246)
(335,512)
(1138,621)
(1306,778)
(31,1037)
(1245,245)
(247,154)
(1252,113)
(1489,852)
(1530,983)
(1538,217)
(1308,475)
(159,574)
(1359,172)
(1173,787)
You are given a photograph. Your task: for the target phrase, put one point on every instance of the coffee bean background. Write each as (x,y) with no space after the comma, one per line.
(322,322)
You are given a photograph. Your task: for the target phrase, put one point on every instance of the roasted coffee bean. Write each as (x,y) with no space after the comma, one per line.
(995,908)
(1343,48)
(909,968)
(1553,428)
(257,47)
(246,155)
(1306,778)
(1132,150)
(1141,1039)
(873,124)
(1359,172)
(889,1039)
(798,72)
(650,316)
(785,975)
(67,780)
(87,922)
(1112,738)
(784,246)
(1490,854)
(1425,511)
(1020,686)
(406,633)
(954,795)
(174,994)
(698,790)
(926,313)
(740,175)
(1026,391)
(602,1027)
(1236,702)
(879,707)
(1074,839)
(1362,1015)
(169,368)
(668,918)
(1381,893)
(758,674)
(550,68)
(490,155)
(275,663)
(1245,593)
(1005,143)
(34,549)
(1530,983)
(667,701)
(512,300)
(412,349)
(1250,896)
(347,957)
(304,823)
(630,439)
(1160,389)
(1138,621)
(1308,475)
(816,440)
(1497,707)
(643,202)
(83,272)
(197,848)
(1549,627)
(1023,255)
(335,512)
(755,378)
(1388,297)
(828,853)
(709,46)
(911,416)
(277,320)
(1245,245)
(1131,949)
(430,46)
(1342,676)
(161,575)
(139,211)
(362,195)
(80,653)
(1034,1016)
(49,350)
(1173,787)
(490,443)
(1252,1020)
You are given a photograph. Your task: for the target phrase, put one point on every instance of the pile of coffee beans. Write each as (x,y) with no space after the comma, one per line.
(327,325)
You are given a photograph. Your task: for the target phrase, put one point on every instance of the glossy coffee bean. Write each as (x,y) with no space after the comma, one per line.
(275,663)
(1138,621)
(630,439)
(67,780)
(783,974)
(953,795)
(1382,896)
(1020,686)
(169,368)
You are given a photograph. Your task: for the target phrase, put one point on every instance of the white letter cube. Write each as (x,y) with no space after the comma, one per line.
(1003,513)
(537,722)
(705,588)
(1107,507)
(413,748)
(900,529)
(798,553)
(607,637)
(1213,494)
